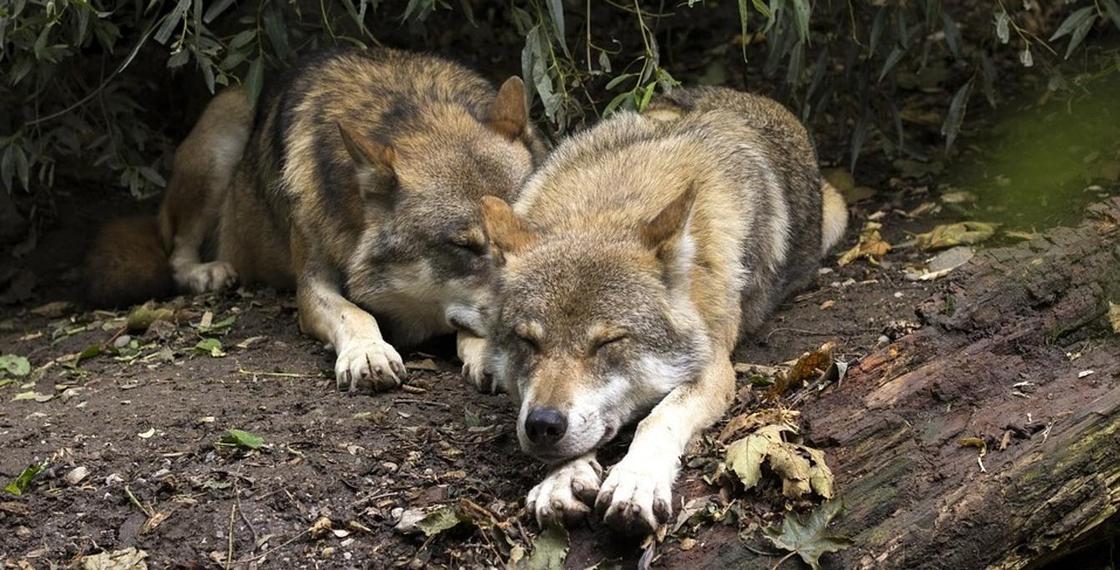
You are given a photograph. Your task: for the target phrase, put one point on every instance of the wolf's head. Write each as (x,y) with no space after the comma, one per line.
(591,329)
(426,259)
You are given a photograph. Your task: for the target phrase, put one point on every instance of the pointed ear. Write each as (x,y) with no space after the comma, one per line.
(374,160)
(508,115)
(670,222)
(508,234)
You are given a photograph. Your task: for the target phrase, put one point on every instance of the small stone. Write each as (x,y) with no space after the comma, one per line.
(122,341)
(884,339)
(76,475)
(688,544)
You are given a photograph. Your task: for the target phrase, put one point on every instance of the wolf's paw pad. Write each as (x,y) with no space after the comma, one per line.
(566,493)
(472,351)
(212,276)
(636,497)
(372,364)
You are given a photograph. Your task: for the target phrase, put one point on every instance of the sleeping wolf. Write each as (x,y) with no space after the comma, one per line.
(357,181)
(629,267)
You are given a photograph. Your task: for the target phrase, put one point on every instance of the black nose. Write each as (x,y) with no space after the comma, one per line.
(545,426)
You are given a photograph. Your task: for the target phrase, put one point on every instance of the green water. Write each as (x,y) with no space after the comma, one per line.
(1035,166)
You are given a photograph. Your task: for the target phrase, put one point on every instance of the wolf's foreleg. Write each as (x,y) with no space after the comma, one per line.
(637,493)
(472,353)
(364,358)
(564,495)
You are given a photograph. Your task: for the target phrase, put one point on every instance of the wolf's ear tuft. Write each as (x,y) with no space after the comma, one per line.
(508,234)
(374,160)
(508,115)
(670,222)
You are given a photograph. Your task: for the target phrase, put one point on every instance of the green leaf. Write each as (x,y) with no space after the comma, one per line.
(171,21)
(744,19)
(1003,27)
(809,538)
(87,353)
(20,484)
(440,519)
(957,109)
(802,11)
(242,439)
(892,60)
(952,35)
(1080,33)
(549,550)
(211,346)
(556,14)
(1113,11)
(15,365)
(277,32)
(254,81)
(1073,21)
(614,82)
(216,10)
(618,102)
(22,168)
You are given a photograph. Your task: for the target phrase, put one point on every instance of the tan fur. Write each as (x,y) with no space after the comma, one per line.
(834,220)
(357,181)
(634,260)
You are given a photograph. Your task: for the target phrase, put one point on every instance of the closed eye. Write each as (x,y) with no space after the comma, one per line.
(529,342)
(603,342)
(469,245)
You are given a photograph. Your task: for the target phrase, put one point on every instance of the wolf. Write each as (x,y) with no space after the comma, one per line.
(627,270)
(356,181)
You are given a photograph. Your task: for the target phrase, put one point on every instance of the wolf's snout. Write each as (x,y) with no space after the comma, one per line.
(545,426)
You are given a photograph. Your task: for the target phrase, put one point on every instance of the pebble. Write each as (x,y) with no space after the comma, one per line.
(76,475)
(122,341)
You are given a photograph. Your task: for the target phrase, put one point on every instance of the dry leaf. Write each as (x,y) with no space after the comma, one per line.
(755,420)
(942,264)
(127,559)
(870,247)
(1114,316)
(958,197)
(801,468)
(961,233)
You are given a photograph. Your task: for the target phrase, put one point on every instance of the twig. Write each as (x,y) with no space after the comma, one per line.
(271,550)
(421,402)
(229,548)
(784,558)
(758,551)
(135,501)
(277,374)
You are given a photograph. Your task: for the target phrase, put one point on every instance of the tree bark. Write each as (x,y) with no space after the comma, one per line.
(1004,355)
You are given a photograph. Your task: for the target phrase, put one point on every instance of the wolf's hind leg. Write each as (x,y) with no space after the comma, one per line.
(205,163)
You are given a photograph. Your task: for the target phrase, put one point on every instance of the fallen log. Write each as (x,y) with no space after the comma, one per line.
(1017,351)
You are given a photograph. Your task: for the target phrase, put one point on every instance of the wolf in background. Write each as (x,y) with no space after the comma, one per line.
(357,181)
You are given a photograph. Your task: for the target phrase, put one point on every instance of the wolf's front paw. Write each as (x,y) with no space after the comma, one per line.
(565,494)
(206,277)
(637,495)
(472,351)
(363,364)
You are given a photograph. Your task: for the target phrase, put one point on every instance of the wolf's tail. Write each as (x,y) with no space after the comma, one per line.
(834,217)
(127,264)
